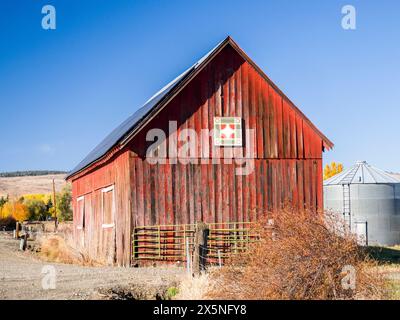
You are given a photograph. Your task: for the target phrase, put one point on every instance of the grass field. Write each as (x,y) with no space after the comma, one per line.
(388,259)
(17,186)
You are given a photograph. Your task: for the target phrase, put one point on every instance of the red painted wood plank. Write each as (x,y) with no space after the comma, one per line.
(286,130)
(259,118)
(168,192)
(279,117)
(253,109)
(239,197)
(211,192)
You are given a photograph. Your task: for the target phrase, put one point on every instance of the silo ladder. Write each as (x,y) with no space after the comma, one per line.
(346,205)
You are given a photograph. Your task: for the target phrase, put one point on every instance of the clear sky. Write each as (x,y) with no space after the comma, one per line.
(62,91)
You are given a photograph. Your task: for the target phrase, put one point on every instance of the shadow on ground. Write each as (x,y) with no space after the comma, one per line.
(384,254)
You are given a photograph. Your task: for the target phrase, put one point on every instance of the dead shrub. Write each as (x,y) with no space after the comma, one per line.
(300,255)
(193,288)
(55,248)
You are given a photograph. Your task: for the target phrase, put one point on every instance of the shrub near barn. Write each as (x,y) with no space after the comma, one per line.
(301,255)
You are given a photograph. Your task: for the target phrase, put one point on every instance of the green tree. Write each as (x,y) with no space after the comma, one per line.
(37,209)
(50,206)
(3,201)
(64,204)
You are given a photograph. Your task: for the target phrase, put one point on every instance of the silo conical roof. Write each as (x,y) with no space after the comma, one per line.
(361,173)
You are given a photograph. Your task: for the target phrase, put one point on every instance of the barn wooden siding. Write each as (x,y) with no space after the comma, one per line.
(288,152)
(110,245)
(184,194)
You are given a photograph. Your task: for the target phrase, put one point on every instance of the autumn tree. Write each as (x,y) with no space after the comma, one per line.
(37,209)
(3,201)
(7,210)
(39,205)
(21,212)
(17,210)
(332,169)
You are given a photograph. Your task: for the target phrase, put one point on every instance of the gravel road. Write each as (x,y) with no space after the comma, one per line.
(21,278)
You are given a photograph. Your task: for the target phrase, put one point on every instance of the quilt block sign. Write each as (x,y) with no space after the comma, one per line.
(228,132)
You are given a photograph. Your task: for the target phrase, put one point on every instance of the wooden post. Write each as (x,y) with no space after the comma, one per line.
(234,237)
(200,248)
(187,256)
(17,230)
(23,242)
(55,207)
(159,241)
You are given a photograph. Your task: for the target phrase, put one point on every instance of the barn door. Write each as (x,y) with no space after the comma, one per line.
(80,226)
(88,223)
(108,226)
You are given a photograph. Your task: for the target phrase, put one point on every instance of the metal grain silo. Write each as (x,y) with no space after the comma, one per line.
(369,200)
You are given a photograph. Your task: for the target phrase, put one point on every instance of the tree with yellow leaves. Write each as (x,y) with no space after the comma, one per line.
(6,210)
(17,210)
(332,169)
(3,201)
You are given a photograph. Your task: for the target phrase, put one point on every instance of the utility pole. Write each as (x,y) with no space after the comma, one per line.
(55,207)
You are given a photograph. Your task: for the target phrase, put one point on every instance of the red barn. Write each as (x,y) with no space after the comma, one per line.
(234,145)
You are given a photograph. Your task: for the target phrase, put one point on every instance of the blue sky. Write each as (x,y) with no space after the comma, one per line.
(63,90)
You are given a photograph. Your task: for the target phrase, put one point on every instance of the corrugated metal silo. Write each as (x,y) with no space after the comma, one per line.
(369,200)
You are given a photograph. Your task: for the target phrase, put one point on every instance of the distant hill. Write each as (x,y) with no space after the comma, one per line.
(18,185)
(29,173)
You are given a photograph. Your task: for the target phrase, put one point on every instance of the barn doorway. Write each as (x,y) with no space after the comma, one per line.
(108,225)
(80,229)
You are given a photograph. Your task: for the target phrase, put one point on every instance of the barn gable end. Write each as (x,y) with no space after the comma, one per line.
(287,151)
(286,157)
(123,134)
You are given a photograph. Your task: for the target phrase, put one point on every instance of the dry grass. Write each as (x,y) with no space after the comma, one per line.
(56,248)
(388,267)
(300,255)
(394,287)
(17,186)
(195,288)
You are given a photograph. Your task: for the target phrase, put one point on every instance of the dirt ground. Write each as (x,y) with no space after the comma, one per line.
(21,278)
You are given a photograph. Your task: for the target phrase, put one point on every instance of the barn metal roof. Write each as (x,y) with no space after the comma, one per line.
(123,132)
(128,125)
(361,173)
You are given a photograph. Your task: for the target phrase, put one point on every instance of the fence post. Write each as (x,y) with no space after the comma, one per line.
(234,238)
(17,230)
(200,248)
(23,242)
(187,255)
(159,242)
